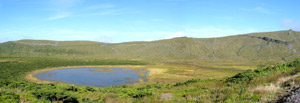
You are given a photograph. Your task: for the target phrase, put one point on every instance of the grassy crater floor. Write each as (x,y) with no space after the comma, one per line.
(168,81)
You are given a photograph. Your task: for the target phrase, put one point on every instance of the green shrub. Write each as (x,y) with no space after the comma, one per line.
(91,89)
(138,93)
(240,78)
(256,97)
(9,97)
(55,95)
(71,88)
(228,101)
(248,75)
(88,100)
(187,82)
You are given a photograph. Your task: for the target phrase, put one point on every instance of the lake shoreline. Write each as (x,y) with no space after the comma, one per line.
(31,78)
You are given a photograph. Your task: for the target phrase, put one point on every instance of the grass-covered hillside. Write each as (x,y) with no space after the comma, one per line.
(260,85)
(257,67)
(274,46)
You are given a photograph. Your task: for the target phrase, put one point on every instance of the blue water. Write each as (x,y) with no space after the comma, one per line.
(90,77)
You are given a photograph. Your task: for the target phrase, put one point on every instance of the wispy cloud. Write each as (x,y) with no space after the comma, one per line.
(61,8)
(258,9)
(70,34)
(291,24)
(105,39)
(97,7)
(224,17)
(116,12)
(67,8)
(174,35)
(262,10)
(207,32)
(59,16)
(176,0)
(158,20)
(62,4)
(111,36)
(2,40)
(211,31)
(57,34)
(11,35)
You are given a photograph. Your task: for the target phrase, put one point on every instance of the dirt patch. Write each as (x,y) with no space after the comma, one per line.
(155,71)
(166,96)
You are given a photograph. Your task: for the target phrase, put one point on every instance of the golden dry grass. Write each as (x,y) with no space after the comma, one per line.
(273,87)
(156,71)
(6,60)
(268,88)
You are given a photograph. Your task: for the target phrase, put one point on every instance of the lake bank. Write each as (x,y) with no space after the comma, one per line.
(140,70)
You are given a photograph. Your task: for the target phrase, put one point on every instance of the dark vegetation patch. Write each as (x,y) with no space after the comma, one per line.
(271,40)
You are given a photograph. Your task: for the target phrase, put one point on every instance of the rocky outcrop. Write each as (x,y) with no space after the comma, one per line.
(271,40)
(293,96)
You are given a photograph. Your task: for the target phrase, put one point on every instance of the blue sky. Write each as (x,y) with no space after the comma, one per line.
(115,21)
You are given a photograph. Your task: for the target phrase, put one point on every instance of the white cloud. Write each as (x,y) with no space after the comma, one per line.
(2,40)
(291,24)
(96,7)
(62,4)
(10,36)
(224,17)
(105,39)
(62,8)
(116,12)
(262,10)
(66,8)
(111,36)
(69,34)
(157,20)
(58,34)
(176,0)
(207,32)
(258,9)
(60,16)
(174,35)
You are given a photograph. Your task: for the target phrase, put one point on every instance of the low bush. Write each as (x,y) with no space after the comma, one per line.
(9,97)
(55,95)
(248,75)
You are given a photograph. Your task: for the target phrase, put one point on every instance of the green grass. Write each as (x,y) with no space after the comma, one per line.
(233,48)
(238,88)
(182,69)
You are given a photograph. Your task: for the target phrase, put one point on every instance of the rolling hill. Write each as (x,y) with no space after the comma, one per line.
(223,70)
(265,46)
